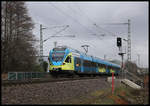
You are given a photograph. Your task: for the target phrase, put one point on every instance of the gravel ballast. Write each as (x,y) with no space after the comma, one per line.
(51,92)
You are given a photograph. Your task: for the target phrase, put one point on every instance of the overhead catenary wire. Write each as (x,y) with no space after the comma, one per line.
(85,14)
(75,20)
(93,22)
(74,11)
(114,24)
(71,9)
(56,26)
(57,32)
(104,29)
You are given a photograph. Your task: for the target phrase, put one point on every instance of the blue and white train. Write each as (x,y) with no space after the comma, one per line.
(65,60)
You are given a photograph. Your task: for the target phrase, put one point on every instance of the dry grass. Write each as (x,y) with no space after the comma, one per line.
(121,95)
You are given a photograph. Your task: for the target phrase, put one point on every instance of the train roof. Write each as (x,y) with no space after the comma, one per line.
(87,57)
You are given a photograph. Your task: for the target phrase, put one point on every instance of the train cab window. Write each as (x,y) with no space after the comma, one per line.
(68,59)
(58,56)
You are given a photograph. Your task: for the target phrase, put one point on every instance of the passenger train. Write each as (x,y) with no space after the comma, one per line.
(65,60)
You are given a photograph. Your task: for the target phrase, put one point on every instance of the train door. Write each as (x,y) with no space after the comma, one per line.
(107,70)
(77,63)
(97,68)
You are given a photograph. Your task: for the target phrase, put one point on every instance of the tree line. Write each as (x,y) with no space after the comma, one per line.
(17,40)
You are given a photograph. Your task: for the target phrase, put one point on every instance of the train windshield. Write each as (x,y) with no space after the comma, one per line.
(58,56)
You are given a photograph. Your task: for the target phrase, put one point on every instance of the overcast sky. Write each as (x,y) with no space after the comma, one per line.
(81,17)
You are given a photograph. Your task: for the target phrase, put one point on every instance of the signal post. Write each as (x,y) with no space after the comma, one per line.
(119,44)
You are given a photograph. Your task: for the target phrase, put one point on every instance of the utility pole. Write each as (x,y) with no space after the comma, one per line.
(129,42)
(122,54)
(126,45)
(41,44)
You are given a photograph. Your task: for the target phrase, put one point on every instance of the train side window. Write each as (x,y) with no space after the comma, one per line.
(90,64)
(85,63)
(100,65)
(105,66)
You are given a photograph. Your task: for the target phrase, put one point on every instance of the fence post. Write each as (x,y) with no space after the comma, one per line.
(16,75)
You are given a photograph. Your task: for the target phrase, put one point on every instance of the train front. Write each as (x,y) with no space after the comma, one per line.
(60,61)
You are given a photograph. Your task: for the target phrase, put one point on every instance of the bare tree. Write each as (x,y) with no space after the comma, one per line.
(17,40)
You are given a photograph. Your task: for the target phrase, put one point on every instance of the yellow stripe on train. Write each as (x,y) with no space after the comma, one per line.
(101,70)
(111,70)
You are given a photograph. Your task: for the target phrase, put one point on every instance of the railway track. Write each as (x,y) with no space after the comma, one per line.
(45,80)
